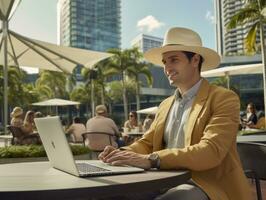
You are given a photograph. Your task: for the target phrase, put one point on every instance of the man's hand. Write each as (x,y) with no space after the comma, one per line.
(118,157)
(130,158)
(107,150)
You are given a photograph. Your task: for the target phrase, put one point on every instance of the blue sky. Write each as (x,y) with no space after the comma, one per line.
(37,19)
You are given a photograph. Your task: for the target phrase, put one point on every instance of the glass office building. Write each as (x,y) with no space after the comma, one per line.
(161,88)
(89,24)
(145,42)
(230,42)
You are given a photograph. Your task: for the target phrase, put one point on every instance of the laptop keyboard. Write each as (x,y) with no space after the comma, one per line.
(87,168)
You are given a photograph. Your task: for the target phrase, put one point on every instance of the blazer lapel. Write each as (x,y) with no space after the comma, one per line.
(162,117)
(197,106)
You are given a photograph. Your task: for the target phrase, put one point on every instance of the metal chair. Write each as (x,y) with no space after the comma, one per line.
(97,141)
(253,158)
(19,137)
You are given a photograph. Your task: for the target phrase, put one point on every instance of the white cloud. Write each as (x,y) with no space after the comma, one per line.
(149,23)
(210,17)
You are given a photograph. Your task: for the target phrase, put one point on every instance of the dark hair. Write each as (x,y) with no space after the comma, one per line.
(134,113)
(190,55)
(150,116)
(38,114)
(252,105)
(76,120)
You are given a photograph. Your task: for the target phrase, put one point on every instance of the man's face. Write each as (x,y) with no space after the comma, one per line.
(178,69)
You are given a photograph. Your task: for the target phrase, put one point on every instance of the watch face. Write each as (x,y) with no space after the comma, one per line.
(153,156)
(154,159)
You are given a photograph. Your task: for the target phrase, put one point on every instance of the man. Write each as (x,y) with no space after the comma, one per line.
(101,123)
(76,129)
(194,129)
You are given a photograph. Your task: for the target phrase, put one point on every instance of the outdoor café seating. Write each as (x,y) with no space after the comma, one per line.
(19,138)
(253,160)
(96,142)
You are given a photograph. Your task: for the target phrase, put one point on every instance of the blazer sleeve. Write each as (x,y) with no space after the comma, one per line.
(145,145)
(217,138)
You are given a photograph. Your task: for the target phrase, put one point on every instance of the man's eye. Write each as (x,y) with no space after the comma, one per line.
(174,60)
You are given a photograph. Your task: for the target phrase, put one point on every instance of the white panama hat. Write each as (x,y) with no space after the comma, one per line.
(183,39)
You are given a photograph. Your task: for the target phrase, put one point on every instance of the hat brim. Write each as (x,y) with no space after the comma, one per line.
(211,58)
(16,114)
(100,111)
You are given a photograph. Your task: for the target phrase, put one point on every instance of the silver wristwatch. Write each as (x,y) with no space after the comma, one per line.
(155,160)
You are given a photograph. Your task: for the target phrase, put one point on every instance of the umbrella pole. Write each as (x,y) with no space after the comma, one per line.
(4,53)
(92,98)
(227,80)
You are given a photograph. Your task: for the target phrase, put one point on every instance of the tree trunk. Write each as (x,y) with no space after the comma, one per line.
(138,96)
(92,98)
(110,108)
(102,95)
(124,97)
(262,42)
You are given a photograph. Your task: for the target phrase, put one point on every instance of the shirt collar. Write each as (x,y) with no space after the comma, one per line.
(190,93)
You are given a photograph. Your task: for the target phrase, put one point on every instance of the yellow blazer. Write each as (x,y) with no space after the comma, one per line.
(210,143)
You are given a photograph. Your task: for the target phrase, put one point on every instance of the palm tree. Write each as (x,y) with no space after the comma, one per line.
(119,63)
(99,76)
(115,91)
(252,15)
(16,91)
(81,94)
(137,68)
(56,81)
(90,77)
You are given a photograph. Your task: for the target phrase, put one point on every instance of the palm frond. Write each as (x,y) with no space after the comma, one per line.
(250,40)
(244,15)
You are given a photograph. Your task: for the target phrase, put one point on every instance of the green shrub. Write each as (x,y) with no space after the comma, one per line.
(35,151)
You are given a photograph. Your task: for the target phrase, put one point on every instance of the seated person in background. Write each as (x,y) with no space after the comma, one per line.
(17,117)
(25,134)
(147,122)
(101,123)
(38,114)
(76,129)
(30,129)
(251,118)
(260,124)
(132,122)
(29,125)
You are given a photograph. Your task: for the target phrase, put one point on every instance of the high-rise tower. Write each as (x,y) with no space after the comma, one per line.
(230,42)
(89,24)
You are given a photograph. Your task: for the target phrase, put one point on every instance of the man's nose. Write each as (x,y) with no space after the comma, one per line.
(167,66)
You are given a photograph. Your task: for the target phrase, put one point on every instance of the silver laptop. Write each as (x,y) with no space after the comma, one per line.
(60,155)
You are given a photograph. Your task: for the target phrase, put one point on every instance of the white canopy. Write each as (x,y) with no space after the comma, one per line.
(56,102)
(7,8)
(23,51)
(19,50)
(151,110)
(234,70)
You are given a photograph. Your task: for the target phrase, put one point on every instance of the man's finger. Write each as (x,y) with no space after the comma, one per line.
(111,154)
(117,156)
(107,150)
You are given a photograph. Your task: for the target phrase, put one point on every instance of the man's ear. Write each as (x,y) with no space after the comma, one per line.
(196,60)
